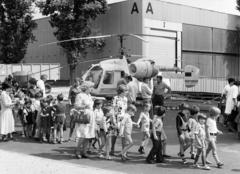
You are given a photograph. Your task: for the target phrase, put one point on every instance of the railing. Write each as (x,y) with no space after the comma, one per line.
(50,69)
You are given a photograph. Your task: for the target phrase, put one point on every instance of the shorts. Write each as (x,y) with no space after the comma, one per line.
(59,119)
(45,122)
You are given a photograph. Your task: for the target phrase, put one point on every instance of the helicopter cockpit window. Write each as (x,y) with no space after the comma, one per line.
(94,75)
(108,78)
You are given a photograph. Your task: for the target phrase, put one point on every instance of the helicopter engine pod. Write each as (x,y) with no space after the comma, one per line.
(191,76)
(143,69)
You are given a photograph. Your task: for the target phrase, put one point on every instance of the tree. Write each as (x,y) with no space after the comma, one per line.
(16,25)
(72,19)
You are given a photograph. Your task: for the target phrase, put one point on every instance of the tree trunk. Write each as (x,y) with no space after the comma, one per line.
(72,72)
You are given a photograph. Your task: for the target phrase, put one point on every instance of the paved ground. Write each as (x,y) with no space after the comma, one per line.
(63,156)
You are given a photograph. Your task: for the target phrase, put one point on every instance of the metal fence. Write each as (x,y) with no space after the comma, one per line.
(51,70)
(205,84)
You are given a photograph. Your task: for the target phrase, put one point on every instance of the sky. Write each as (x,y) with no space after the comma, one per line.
(226,6)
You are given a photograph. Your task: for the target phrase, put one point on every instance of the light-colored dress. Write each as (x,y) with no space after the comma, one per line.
(6,114)
(201,134)
(144,118)
(85,130)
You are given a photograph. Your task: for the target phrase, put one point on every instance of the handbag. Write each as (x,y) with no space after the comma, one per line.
(81,117)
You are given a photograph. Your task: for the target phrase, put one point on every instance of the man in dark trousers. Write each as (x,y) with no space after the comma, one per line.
(159,91)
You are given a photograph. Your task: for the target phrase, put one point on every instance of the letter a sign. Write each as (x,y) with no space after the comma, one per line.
(134,8)
(149,8)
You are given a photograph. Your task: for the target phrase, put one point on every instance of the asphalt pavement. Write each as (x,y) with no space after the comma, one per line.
(16,154)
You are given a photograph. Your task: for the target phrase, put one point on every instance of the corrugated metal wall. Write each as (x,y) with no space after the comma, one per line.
(171,12)
(205,84)
(214,51)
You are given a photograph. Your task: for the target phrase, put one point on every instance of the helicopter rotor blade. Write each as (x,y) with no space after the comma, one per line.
(136,36)
(79,38)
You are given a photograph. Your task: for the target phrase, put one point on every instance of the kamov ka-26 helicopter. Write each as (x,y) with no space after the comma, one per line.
(106,74)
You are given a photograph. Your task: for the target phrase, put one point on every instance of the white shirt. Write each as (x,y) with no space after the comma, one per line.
(231,94)
(212,125)
(41,86)
(226,90)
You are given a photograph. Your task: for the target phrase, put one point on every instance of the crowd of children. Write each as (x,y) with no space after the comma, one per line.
(44,119)
(198,132)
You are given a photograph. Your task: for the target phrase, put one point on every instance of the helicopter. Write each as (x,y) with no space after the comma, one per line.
(106,74)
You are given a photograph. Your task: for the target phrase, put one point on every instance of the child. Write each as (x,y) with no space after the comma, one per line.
(28,115)
(144,118)
(192,122)
(126,129)
(19,111)
(99,117)
(157,126)
(59,118)
(119,105)
(183,130)
(45,121)
(237,119)
(36,107)
(107,128)
(200,137)
(212,132)
(164,140)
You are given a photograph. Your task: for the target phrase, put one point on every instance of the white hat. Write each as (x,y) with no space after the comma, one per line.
(159,74)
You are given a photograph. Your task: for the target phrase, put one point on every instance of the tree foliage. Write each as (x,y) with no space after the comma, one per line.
(16,25)
(238,5)
(71,19)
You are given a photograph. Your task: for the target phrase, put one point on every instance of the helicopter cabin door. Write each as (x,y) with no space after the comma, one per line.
(109,83)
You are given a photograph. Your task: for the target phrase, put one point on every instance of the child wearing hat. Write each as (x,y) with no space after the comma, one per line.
(183,129)
(126,129)
(157,126)
(200,140)
(212,133)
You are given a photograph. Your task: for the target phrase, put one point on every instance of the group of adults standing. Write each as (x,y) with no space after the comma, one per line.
(7,121)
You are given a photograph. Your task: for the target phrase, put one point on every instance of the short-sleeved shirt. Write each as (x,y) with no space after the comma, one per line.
(99,117)
(232,94)
(132,91)
(145,120)
(127,125)
(192,124)
(212,125)
(60,108)
(41,86)
(146,91)
(159,88)
(158,124)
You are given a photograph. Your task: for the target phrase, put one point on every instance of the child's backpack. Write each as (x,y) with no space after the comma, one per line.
(81,117)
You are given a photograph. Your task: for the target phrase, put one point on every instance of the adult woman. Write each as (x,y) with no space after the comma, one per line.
(84,131)
(74,90)
(6,114)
